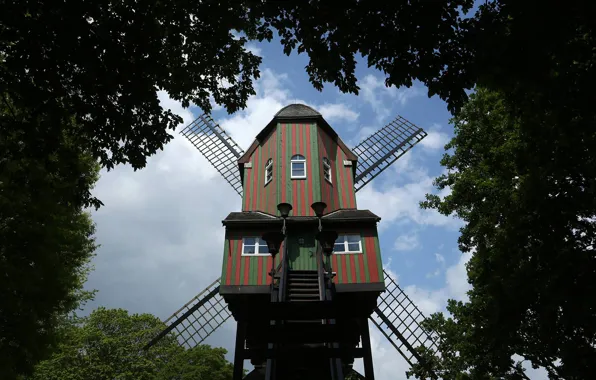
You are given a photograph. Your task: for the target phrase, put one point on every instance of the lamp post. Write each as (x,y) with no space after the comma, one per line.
(319,209)
(327,239)
(284,210)
(273,240)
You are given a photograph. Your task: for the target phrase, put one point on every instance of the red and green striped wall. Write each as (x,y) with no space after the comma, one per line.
(353,268)
(245,270)
(286,140)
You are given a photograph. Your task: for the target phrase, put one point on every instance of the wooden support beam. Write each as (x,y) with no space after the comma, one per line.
(369,372)
(303,353)
(302,311)
(239,351)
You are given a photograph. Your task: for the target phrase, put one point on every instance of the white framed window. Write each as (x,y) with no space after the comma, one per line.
(327,169)
(348,243)
(254,245)
(268,171)
(298,166)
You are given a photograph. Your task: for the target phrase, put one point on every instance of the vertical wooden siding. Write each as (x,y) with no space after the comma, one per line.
(352,268)
(356,268)
(339,194)
(302,256)
(245,270)
(309,141)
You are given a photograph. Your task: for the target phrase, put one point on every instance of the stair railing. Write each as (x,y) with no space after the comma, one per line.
(321,271)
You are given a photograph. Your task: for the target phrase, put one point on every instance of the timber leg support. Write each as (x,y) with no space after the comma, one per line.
(369,373)
(239,351)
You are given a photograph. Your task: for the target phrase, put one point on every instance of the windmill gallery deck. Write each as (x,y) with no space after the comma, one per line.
(302,270)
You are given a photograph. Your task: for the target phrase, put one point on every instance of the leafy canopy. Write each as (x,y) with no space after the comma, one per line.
(103,62)
(526,188)
(108,344)
(46,241)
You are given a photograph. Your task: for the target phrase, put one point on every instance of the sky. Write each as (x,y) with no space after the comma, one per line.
(160,231)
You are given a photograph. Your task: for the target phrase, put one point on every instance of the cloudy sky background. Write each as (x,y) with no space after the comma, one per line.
(160,229)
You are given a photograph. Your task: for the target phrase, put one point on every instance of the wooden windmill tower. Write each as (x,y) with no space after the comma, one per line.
(302,270)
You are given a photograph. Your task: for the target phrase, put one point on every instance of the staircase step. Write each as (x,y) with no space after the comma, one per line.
(303,300)
(293,291)
(291,280)
(302,295)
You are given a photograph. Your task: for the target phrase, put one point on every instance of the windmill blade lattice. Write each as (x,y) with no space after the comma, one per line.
(378,151)
(399,320)
(217,147)
(198,319)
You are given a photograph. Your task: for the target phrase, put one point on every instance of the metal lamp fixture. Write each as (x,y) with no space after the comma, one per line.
(327,239)
(319,209)
(284,209)
(273,240)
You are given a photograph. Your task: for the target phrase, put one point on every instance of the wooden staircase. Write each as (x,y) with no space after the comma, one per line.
(302,286)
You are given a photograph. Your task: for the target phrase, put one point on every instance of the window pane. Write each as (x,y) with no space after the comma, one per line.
(298,169)
(249,249)
(249,241)
(353,247)
(297,157)
(339,247)
(353,238)
(263,248)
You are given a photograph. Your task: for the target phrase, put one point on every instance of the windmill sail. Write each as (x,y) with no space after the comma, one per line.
(398,319)
(198,319)
(217,147)
(378,151)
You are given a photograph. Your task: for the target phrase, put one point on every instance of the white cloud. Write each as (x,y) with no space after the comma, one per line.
(440,258)
(457,278)
(383,99)
(406,242)
(401,204)
(254,49)
(435,139)
(337,112)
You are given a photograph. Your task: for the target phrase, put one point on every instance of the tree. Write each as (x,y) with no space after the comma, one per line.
(102,62)
(108,344)
(46,241)
(526,189)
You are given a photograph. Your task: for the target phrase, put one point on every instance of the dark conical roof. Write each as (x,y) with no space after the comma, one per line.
(297,110)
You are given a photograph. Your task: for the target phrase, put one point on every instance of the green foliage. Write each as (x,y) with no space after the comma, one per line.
(46,240)
(108,344)
(102,62)
(525,185)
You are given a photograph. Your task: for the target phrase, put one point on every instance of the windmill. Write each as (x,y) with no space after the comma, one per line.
(302,270)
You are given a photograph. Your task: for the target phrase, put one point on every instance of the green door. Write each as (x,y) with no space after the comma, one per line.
(302,252)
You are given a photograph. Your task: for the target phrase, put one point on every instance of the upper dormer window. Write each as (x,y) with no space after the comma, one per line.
(298,166)
(268,171)
(327,169)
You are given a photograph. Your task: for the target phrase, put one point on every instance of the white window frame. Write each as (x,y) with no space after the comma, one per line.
(345,241)
(269,169)
(297,158)
(256,245)
(327,169)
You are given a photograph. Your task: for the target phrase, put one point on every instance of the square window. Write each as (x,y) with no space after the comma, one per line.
(254,245)
(354,247)
(348,244)
(298,169)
